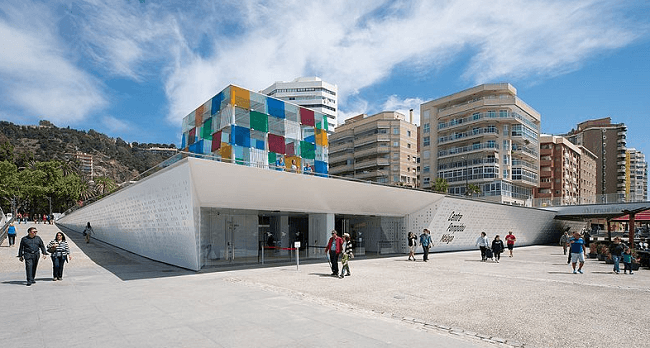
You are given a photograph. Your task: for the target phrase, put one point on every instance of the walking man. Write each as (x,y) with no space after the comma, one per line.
(616,249)
(577,252)
(425,241)
(564,241)
(510,241)
(334,248)
(30,245)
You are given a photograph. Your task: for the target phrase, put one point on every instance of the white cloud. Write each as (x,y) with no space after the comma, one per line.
(403,106)
(115,125)
(359,44)
(36,73)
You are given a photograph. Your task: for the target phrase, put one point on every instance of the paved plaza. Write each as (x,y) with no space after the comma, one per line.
(112,298)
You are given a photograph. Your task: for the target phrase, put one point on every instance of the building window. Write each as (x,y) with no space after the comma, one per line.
(426,128)
(408,133)
(395,155)
(505,129)
(503,113)
(426,154)
(395,130)
(426,114)
(505,173)
(395,143)
(408,146)
(426,141)
(426,169)
(425,181)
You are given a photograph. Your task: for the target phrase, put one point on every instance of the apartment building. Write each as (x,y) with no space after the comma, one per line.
(636,176)
(565,176)
(380,148)
(608,142)
(484,136)
(308,92)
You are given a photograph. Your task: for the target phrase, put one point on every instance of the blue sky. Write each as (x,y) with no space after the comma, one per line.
(133,69)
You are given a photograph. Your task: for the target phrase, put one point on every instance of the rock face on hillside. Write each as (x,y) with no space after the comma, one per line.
(112,157)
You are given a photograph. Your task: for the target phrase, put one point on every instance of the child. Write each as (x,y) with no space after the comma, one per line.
(627,260)
(497,248)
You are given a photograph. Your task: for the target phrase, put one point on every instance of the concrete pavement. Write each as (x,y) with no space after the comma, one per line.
(110,297)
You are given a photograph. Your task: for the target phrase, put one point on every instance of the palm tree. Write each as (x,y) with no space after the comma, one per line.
(441,185)
(472,189)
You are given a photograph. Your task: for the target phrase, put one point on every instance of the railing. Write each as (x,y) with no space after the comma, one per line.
(595,199)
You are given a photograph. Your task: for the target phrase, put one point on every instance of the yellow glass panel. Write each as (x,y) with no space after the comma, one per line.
(240,97)
(291,161)
(321,137)
(225,151)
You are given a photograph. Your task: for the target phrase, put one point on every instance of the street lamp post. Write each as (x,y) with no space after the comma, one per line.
(50,201)
(466,176)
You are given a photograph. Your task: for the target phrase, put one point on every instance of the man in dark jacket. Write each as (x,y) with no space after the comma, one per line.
(29,252)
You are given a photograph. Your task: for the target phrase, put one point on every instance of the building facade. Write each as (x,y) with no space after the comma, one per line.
(636,176)
(588,179)
(248,128)
(380,148)
(565,176)
(608,142)
(484,136)
(309,92)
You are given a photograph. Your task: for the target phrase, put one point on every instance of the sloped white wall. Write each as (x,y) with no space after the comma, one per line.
(154,218)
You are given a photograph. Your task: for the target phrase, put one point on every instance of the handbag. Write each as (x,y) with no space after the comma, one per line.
(52,248)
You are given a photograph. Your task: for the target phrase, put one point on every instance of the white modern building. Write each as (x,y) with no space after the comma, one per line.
(197,213)
(636,175)
(309,92)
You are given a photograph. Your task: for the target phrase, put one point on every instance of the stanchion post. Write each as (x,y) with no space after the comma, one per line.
(296,245)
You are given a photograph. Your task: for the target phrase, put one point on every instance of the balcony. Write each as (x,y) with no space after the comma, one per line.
(375,162)
(340,147)
(372,151)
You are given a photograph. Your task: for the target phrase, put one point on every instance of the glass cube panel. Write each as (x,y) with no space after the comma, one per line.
(277,144)
(242,117)
(275,107)
(292,130)
(216,103)
(259,121)
(240,97)
(276,126)
(291,112)
(307,117)
(226,117)
(206,129)
(307,150)
(258,102)
(241,136)
(308,134)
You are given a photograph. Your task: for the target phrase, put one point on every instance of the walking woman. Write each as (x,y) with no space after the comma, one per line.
(483,243)
(413,243)
(87,232)
(347,255)
(59,253)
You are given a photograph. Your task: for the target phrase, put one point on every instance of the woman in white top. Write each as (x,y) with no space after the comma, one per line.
(483,243)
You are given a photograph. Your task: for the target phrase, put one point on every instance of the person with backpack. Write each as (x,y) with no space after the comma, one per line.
(425,241)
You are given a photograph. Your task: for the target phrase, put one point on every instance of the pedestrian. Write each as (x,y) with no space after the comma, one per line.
(19,217)
(483,243)
(334,248)
(425,241)
(87,232)
(564,241)
(616,250)
(413,243)
(44,219)
(627,260)
(497,248)
(577,252)
(60,254)
(28,251)
(11,234)
(347,255)
(510,242)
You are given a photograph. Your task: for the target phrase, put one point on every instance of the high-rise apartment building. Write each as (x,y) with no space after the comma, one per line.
(607,142)
(636,176)
(309,92)
(381,148)
(566,172)
(484,136)
(588,179)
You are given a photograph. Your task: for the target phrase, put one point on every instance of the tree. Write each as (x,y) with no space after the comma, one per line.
(440,185)
(473,189)
(104,185)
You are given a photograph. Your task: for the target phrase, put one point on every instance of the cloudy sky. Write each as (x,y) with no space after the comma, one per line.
(134,68)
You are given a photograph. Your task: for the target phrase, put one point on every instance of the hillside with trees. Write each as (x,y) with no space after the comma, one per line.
(37,164)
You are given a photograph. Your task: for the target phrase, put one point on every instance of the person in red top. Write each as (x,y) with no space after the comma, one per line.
(510,241)
(334,247)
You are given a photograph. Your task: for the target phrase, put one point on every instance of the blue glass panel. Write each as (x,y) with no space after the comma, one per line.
(197,147)
(320,167)
(275,107)
(259,144)
(241,136)
(311,139)
(184,141)
(216,103)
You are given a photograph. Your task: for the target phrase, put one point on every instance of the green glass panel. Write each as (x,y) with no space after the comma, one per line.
(206,130)
(272,158)
(307,150)
(259,121)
